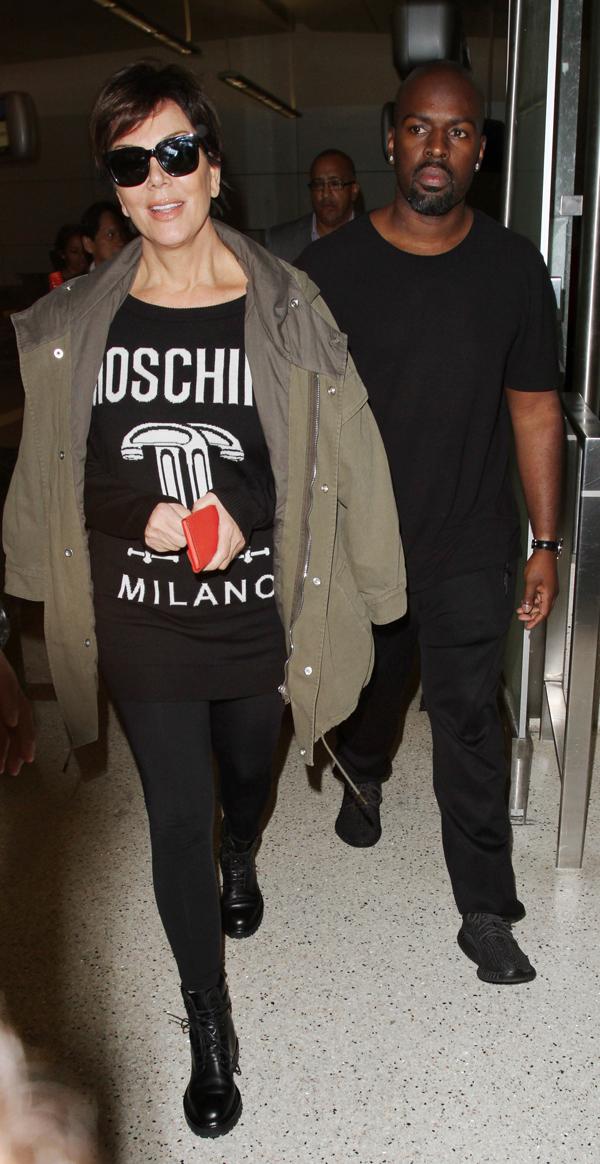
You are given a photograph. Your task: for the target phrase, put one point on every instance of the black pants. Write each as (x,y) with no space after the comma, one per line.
(460,627)
(172,744)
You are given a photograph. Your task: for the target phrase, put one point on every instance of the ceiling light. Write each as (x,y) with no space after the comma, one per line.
(237,81)
(186,47)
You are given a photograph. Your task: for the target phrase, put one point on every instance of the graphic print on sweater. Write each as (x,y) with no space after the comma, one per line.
(182,455)
(173,421)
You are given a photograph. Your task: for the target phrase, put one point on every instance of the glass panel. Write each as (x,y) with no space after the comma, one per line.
(526,218)
(531,123)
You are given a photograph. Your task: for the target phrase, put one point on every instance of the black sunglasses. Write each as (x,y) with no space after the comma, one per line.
(178,155)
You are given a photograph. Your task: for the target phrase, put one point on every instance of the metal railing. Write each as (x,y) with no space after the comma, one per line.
(570,699)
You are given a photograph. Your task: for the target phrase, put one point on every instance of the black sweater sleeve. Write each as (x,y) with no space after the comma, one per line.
(250,501)
(112,506)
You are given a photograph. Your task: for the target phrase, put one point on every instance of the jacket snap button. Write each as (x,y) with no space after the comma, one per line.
(316,581)
(302,751)
(68,553)
(308,670)
(61,455)
(294,302)
(58,352)
(87,642)
(331,390)
(324,488)
(335,339)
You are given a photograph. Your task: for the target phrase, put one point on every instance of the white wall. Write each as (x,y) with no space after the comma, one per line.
(340,83)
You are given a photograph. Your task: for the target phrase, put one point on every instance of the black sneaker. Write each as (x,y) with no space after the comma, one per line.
(487,940)
(358,822)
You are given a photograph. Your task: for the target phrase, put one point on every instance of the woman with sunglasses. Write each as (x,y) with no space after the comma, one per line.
(195,370)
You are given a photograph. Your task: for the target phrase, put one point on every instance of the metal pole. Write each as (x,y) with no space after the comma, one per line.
(521,745)
(587,352)
(576,736)
(550,130)
(512,85)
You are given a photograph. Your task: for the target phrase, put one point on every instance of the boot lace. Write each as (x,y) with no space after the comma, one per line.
(205,1034)
(238,866)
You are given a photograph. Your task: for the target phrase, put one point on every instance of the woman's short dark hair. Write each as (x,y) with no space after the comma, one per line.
(68,231)
(133,93)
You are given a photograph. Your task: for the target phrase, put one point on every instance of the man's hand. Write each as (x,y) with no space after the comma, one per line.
(17,736)
(538,427)
(541,588)
(231,539)
(164,531)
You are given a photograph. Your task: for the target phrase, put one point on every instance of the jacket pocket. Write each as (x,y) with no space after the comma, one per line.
(344,582)
(347,652)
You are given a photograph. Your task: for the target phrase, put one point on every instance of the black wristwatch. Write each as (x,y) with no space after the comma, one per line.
(554,545)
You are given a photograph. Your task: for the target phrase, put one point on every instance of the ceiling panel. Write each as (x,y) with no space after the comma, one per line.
(39,30)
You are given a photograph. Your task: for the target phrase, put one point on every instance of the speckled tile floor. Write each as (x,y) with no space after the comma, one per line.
(365,1034)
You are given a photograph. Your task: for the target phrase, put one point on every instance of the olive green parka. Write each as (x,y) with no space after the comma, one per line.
(338,559)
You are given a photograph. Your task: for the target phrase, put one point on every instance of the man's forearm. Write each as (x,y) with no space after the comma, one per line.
(538,428)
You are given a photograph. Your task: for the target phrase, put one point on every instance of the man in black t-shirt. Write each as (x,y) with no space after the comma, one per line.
(451,322)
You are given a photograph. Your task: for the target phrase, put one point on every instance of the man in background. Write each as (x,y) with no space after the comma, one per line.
(333,193)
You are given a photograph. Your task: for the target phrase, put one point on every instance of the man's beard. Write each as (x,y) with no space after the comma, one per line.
(429,202)
(432,204)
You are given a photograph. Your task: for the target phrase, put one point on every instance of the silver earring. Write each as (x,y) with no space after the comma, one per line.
(391,159)
(477,167)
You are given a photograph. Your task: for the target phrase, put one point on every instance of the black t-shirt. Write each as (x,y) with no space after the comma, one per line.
(436,339)
(174,417)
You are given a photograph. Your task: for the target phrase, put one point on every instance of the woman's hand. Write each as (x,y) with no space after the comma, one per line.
(164,531)
(231,538)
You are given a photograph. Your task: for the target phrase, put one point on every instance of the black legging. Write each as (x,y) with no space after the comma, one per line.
(172,745)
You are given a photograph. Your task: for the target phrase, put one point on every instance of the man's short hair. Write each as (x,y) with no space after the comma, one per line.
(448,67)
(338,154)
(90,220)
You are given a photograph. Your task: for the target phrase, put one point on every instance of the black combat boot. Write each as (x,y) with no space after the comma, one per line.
(242,904)
(212,1103)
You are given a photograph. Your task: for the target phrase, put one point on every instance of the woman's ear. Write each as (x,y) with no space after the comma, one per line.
(215,179)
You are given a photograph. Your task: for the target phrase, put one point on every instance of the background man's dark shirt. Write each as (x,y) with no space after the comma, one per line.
(435,340)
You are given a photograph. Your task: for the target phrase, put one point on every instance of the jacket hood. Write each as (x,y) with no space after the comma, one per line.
(278,292)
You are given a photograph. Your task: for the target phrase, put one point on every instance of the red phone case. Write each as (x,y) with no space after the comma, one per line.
(201,530)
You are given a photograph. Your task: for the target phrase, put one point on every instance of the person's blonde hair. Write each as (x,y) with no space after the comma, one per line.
(41,1122)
